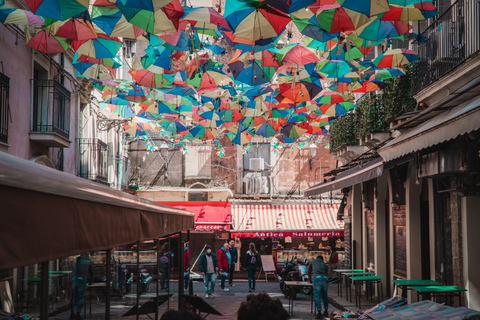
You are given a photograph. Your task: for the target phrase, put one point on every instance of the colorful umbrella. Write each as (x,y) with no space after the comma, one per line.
(377,30)
(202,18)
(75,28)
(45,42)
(414,12)
(298,54)
(337,109)
(366,7)
(114,23)
(395,58)
(252,20)
(57,9)
(341,19)
(333,68)
(19,16)
(101,47)
(149,79)
(154,16)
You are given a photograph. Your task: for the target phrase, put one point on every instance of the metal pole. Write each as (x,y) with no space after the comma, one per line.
(139,282)
(44,291)
(157,274)
(181,277)
(107,285)
(168,271)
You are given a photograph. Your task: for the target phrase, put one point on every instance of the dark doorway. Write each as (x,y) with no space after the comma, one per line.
(425,230)
(443,235)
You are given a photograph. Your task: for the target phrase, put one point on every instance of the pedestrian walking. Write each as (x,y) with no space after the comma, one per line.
(320,285)
(224,264)
(234,257)
(186,265)
(251,264)
(82,272)
(164,257)
(208,265)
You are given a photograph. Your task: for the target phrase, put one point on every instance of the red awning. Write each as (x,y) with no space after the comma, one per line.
(209,215)
(286,220)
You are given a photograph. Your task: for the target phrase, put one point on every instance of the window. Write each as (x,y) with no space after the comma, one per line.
(4,107)
(198,162)
(51,105)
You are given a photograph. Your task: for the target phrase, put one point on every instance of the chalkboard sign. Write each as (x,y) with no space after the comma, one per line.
(267,263)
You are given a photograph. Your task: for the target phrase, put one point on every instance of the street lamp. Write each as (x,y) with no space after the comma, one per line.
(312,152)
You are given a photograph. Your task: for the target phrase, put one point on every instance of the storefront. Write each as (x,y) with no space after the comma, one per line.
(289,229)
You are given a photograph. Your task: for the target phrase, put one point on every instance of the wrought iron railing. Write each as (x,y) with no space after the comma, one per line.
(452,38)
(51,107)
(93,155)
(4,107)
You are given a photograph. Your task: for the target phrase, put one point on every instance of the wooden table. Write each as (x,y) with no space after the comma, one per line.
(358,284)
(438,291)
(354,274)
(340,272)
(292,285)
(404,284)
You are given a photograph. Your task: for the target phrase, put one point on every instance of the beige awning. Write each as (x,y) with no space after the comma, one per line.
(47,214)
(446,126)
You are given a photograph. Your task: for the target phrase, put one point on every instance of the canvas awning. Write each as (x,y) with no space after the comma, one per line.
(286,220)
(371,170)
(48,214)
(209,215)
(446,126)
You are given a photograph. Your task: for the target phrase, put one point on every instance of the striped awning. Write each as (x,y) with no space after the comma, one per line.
(287,219)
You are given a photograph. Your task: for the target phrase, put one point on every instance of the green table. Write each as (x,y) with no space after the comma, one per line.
(352,274)
(440,291)
(404,284)
(340,273)
(358,284)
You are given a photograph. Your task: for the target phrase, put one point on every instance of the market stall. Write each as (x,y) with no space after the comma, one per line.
(290,229)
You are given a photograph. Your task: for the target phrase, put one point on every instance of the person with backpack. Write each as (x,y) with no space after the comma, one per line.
(251,264)
(164,257)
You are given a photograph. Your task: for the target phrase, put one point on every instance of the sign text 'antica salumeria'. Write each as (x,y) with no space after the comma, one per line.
(288,234)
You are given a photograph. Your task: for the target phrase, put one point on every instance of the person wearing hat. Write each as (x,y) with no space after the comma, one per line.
(209,267)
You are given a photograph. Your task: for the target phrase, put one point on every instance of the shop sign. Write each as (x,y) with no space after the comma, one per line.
(288,234)
(211,227)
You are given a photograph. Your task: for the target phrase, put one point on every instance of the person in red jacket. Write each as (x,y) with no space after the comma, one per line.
(186,265)
(223,264)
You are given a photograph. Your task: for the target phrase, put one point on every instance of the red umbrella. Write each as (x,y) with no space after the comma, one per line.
(48,43)
(299,55)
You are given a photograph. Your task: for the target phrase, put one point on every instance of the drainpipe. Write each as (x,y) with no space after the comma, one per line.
(299,172)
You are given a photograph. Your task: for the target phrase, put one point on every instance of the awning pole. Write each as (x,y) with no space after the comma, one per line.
(108,287)
(157,272)
(169,269)
(139,282)
(44,291)
(181,277)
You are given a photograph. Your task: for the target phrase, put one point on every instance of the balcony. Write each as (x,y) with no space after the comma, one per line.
(93,155)
(453,38)
(51,114)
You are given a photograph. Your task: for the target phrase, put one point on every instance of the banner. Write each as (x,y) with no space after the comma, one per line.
(280,234)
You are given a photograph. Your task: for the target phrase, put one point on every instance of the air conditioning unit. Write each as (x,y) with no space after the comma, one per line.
(256,185)
(256,164)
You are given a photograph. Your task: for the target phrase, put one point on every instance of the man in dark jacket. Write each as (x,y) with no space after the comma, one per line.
(82,273)
(320,286)
(208,265)
(234,256)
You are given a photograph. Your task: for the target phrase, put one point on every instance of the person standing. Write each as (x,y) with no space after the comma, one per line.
(223,264)
(208,265)
(251,264)
(164,256)
(320,286)
(82,271)
(234,258)
(186,265)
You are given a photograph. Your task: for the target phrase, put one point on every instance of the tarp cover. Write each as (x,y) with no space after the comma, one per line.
(47,214)
(209,215)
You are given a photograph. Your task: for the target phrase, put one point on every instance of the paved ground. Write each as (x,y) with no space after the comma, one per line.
(225,302)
